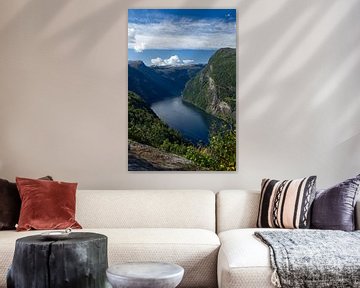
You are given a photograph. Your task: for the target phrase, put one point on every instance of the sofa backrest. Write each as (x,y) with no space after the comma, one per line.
(146,209)
(236,209)
(239,209)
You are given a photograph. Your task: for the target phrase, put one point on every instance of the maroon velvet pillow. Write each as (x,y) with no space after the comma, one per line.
(46,204)
(10,204)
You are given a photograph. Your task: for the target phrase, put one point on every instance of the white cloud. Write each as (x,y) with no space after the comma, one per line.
(131,35)
(139,47)
(171,61)
(187,61)
(183,34)
(157,61)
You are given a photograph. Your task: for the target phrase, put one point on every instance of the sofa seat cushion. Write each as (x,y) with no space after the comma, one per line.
(194,249)
(244,261)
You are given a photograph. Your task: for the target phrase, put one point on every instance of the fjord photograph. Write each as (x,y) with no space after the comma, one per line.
(181,90)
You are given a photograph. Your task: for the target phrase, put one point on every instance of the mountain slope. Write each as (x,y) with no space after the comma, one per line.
(178,75)
(145,126)
(156,83)
(147,83)
(213,89)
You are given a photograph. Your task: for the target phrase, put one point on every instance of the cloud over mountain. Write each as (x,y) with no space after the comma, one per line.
(171,61)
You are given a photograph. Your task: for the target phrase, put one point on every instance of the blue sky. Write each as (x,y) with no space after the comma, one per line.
(157,15)
(179,36)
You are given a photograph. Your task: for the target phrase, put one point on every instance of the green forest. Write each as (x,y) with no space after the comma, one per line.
(213,89)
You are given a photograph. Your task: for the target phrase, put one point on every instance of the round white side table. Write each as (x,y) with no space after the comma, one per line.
(145,275)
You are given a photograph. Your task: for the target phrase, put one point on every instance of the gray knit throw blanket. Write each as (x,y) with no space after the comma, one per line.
(313,258)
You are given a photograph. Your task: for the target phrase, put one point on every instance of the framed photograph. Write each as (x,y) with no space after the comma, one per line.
(182,90)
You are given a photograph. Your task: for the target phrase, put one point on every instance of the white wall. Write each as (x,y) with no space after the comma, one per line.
(63,91)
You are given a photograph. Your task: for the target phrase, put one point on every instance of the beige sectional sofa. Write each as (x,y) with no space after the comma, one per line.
(243,261)
(177,226)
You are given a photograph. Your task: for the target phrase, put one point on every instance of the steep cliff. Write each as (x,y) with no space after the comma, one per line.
(213,89)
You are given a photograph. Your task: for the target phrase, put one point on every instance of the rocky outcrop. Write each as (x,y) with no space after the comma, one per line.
(142,157)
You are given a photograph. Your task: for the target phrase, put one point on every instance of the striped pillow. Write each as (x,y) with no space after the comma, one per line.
(286,204)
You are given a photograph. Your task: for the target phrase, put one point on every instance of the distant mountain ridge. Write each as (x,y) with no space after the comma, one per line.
(155,83)
(213,89)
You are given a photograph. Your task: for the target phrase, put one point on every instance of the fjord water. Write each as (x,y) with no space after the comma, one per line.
(193,123)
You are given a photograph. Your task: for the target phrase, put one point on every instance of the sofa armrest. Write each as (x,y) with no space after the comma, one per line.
(357,215)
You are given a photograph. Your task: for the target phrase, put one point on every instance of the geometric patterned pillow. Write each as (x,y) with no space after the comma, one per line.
(286,204)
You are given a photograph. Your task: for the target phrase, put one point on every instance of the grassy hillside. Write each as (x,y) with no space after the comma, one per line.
(213,89)
(144,126)
(147,83)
